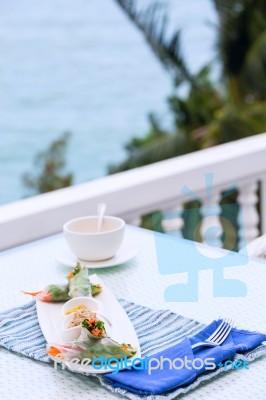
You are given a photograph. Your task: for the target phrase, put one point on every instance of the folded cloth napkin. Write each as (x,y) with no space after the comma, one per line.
(181,364)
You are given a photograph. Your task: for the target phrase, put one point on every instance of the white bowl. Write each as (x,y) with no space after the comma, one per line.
(89,302)
(70,334)
(87,244)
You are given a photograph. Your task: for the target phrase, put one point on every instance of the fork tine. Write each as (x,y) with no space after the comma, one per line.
(221,330)
(218,336)
(225,334)
(220,327)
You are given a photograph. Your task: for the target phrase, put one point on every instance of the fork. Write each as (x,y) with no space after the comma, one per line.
(218,336)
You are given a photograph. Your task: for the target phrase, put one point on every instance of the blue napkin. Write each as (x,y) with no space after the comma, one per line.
(159,381)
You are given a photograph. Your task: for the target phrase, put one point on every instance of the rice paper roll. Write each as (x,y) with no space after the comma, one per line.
(90,349)
(79,282)
(52,293)
(64,352)
(107,348)
(92,328)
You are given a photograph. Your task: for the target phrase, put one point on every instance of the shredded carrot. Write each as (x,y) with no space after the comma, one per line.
(53,351)
(97,332)
(70,275)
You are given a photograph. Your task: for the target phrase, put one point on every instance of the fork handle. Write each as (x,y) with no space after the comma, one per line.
(194,346)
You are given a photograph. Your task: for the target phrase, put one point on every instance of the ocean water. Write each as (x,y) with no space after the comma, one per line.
(83,67)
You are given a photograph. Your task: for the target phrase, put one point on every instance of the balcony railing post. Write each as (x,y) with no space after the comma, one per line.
(263,205)
(211,227)
(248,217)
(173,221)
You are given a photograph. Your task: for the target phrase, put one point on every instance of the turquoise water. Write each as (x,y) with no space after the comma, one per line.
(82,67)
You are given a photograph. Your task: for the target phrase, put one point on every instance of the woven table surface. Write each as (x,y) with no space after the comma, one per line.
(34,265)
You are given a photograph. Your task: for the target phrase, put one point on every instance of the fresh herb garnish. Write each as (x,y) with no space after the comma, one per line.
(94,326)
(75,271)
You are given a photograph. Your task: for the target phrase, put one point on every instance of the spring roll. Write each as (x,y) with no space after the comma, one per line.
(107,348)
(92,328)
(51,294)
(79,284)
(90,349)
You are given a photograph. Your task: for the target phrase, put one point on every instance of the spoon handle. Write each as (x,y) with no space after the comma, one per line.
(100,213)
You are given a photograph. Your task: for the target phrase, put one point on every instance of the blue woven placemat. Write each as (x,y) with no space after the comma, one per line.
(156,329)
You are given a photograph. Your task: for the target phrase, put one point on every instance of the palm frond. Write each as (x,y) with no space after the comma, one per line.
(254,71)
(235,122)
(240,22)
(153,23)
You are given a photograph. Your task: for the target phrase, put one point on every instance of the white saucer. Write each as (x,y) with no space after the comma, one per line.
(126,252)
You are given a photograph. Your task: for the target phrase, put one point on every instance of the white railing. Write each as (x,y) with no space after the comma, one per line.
(154,187)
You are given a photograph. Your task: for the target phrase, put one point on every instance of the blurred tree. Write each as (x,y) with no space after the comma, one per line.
(49,167)
(211,112)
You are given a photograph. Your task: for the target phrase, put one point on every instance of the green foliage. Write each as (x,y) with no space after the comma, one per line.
(49,167)
(241,43)
(153,221)
(211,112)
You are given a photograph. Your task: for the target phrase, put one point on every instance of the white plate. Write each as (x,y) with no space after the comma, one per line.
(126,252)
(50,320)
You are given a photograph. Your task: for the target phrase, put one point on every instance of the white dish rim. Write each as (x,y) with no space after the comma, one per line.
(67,258)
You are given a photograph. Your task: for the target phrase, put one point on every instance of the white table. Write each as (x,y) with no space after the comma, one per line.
(32,266)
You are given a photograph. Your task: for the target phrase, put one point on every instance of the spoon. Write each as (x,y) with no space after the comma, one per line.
(100,214)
